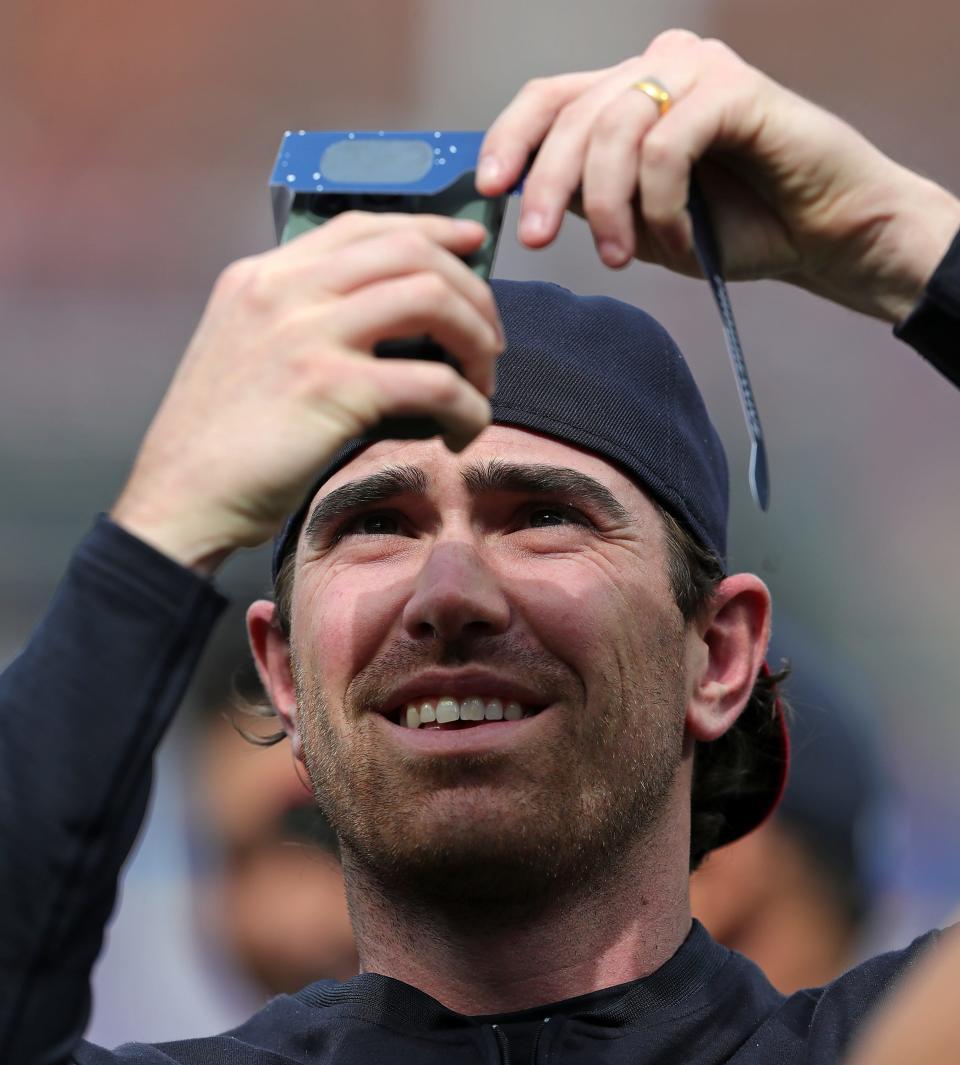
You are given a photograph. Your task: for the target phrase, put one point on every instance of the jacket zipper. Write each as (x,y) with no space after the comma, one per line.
(536,1042)
(502,1043)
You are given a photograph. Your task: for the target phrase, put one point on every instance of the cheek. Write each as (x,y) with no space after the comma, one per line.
(574,611)
(603,620)
(341,619)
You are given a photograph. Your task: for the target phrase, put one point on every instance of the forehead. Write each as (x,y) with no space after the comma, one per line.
(497,442)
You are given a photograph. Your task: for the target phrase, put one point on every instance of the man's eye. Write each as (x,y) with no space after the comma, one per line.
(544,517)
(376,523)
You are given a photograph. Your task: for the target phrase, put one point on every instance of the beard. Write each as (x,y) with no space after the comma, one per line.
(500,833)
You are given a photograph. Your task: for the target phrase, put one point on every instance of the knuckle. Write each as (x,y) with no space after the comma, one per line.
(445,384)
(571,116)
(611,119)
(320,371)
(657,149)
(478,342)
(535,87)
(412,245)
(675,39)
(252,283)
(427,291)
(600,209)
(657,212)
(546,93)
(260,290)
(235,277)
(489,306)
(346,220)
(718,49)
(489,345)
(353,217)
(544,188)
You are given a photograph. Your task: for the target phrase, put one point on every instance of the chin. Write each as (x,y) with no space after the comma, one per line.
(490,851)
(493,868)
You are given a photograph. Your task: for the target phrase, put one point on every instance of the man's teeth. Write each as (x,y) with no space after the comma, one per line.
(446,710)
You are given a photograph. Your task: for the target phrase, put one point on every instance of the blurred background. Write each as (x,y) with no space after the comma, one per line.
(137,144)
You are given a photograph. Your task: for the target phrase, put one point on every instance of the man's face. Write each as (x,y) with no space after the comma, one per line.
(522,571)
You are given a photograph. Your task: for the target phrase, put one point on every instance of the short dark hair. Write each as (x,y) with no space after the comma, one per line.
(730,769)
(725,769)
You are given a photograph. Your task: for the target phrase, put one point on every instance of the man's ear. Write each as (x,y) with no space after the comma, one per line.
(725,654)
(271,653)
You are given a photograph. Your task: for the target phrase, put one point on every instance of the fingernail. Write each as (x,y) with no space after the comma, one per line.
(489,169)
(611,251)
(534,223)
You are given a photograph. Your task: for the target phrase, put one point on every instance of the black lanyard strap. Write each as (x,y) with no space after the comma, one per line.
(709,258)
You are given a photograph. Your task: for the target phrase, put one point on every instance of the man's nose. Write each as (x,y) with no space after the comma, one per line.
(457,595)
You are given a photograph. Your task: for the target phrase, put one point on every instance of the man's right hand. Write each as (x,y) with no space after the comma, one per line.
(281,372)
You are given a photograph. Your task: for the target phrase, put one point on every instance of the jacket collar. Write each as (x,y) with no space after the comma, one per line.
(383,1000)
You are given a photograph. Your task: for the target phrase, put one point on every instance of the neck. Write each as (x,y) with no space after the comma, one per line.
(575,941)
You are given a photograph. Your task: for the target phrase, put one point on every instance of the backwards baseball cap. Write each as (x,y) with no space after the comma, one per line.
(606,377)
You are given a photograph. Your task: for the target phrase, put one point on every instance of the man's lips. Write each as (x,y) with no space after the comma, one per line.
(463,738)
(464,699)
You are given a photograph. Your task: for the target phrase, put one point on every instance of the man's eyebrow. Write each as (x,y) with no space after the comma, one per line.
(365,492)
(537,479)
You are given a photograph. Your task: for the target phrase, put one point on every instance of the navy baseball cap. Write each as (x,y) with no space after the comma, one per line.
(607,377)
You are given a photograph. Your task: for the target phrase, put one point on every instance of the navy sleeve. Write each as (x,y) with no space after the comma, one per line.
(933,327)
(81,712)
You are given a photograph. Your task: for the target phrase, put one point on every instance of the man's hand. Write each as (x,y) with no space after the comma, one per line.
(794,192)
(280,373)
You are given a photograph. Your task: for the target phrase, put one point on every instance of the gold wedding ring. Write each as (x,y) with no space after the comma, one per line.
(660,96)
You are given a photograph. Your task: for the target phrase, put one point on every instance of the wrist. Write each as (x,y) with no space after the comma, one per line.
(187,542)
(922,224)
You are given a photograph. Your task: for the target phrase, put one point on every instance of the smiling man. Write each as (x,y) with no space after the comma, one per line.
(527,692)
(484,665)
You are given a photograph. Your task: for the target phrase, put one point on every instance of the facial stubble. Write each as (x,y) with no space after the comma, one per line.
(506,829)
